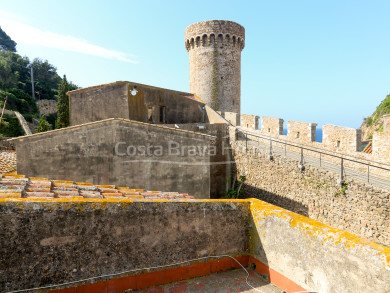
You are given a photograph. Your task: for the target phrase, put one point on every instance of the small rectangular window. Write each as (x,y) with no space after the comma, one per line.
(337,144)
(298,134)
(150,114)
(162,114)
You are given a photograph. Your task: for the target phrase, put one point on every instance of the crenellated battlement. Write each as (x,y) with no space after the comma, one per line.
(214,33)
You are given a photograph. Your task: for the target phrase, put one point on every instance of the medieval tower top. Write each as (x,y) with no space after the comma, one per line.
(214,49)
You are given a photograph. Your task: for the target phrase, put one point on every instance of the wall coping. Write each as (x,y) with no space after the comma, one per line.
(105,121)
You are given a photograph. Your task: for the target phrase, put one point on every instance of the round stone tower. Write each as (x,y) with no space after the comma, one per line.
(214,48)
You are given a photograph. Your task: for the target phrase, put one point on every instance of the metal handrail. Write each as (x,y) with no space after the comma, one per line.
(318,150)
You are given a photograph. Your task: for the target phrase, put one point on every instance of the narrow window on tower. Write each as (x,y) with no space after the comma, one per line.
(162,114)
(150,114)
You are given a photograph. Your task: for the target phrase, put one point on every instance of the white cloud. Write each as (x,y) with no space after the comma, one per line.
(25,34)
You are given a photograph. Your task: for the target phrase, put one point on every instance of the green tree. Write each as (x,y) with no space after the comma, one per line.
(6,43)
(14,71)
(46,79)
(43,125)
(63,104)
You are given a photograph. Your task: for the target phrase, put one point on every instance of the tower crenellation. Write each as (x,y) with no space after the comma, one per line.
(214,49)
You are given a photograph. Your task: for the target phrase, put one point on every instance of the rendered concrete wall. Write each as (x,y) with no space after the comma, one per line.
(221,162)
(302,132)
(341,139)
(250,121)
(122,153)
(315,256)
(115,100)
(54,242)
(214,49)
(271,126)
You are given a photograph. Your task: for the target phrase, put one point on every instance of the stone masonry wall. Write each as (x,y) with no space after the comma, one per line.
(271,126)
(214,49)
(47,107)
(381,147)
(250,121)
(302,132)
(342,139)
(360,209)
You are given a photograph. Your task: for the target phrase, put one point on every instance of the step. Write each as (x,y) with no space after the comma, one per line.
(40,194)
(10,194)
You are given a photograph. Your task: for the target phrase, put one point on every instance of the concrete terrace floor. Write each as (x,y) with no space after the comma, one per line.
(230,281)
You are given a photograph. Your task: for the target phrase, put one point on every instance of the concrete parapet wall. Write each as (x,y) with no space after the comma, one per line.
(250,121)
(302,132)
(271,126)
(51,242)
(315,256)
(341,139)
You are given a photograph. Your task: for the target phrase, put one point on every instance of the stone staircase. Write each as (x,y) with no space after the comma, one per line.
(19,186)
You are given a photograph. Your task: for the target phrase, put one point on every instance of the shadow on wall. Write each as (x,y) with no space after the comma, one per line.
(250,191)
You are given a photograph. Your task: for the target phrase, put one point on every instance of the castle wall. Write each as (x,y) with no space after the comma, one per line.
(381,147)
(250,121)
(341,139)
(302,132)
(214,49)
(316,193)
(46,107)
(122,153)
(233,118)
(149,105)
(271,126)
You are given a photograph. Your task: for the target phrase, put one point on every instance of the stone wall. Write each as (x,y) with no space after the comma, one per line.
(214,49)
(360,209)
(250,121)
(47,107)
(301,132)
(54,242)
(148,104)
(341,139)
(122,153)
(233,118)
(381,147)
(6,145)
(271,126)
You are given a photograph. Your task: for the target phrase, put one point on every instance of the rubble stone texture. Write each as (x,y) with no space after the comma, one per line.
(214,49)
(315,193)
(47,107)
(7,162)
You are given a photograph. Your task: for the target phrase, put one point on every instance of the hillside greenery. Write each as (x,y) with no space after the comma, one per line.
(382,109)
(15,83)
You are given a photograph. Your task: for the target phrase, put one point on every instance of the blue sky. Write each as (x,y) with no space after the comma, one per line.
(305,60)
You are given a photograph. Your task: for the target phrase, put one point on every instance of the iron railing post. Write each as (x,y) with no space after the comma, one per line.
(368,173)
(342,172)
(246,142)
(320,159)
(271,157)
(285,149)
